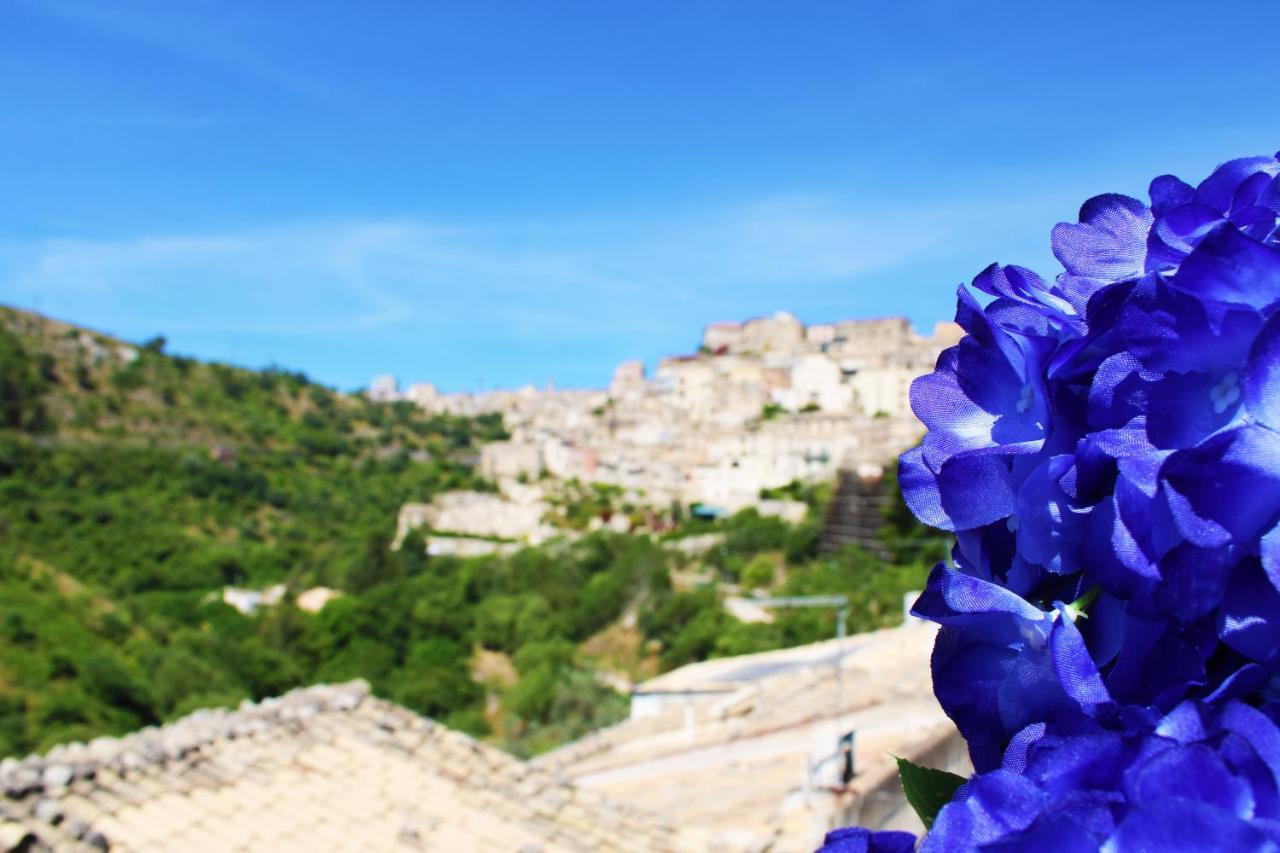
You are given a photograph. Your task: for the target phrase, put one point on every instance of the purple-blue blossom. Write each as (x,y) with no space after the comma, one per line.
(1115,431)
(1105,447)
(1198,778)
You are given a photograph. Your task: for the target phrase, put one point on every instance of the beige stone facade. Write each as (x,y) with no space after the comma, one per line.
(763,403)
(628,379)
(509,460)
(515,515)
(722,336)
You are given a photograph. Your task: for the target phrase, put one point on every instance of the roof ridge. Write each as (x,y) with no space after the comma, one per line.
(171,742)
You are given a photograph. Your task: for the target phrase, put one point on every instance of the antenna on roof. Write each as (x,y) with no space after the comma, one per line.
(844,740)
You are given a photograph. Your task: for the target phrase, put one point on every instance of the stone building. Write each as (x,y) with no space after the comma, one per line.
(508,460)
(384,388)
(818,381)
(883,391)
(422,394)
(778,332)
(514,515)
(628,380)
(870,341)
(820,335)
(947,334)
(717,337)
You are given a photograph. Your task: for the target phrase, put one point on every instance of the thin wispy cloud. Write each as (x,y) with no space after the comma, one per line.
(396,269)
(640,284)
(471,283)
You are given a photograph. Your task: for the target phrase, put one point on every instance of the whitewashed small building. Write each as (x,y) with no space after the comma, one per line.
(249,601)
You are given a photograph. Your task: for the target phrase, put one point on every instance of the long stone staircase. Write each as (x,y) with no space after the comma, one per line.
(855,513)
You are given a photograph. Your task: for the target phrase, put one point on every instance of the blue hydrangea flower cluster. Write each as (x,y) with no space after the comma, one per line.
(1105,447)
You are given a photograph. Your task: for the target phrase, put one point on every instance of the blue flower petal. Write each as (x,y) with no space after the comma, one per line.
(1168,192)
(987,809)
(968,492)
(982,610)
(1219,189)
(1050,524)
(1055,833)
(1262,375)
(1194,772)
(1232,268)
(856,840)
(1185,826)
(1177,233)
(1249,621)
(1228,488)
(1270,547)
(1074,667)
(1109,243)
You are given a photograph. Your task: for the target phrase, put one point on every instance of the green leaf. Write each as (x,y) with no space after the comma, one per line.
(927,790)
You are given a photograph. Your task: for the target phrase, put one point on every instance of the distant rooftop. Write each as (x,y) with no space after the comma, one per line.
(727,674)
(745,749)
(323,768)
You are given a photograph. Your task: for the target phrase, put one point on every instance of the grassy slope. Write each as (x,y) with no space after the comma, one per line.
(133,484)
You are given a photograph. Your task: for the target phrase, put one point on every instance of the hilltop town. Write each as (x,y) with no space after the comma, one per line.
(761,404)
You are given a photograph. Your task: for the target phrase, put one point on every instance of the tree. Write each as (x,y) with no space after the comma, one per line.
(374,566)
(21,387)
(435,679)
(758,573)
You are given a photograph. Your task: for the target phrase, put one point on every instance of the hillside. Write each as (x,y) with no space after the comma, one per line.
(78,384)
(103,427)
(135,486)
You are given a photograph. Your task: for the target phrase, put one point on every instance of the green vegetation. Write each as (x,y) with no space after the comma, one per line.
(135,486)
(759,572)
(766,553)
(795,491)
(22,383)
(576,504)
(927,789)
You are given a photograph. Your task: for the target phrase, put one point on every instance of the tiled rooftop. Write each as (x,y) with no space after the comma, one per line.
(326,768)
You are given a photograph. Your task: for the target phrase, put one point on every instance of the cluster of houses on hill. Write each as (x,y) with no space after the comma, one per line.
(761,404)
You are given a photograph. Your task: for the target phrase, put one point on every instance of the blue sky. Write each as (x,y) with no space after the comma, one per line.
(490,194)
